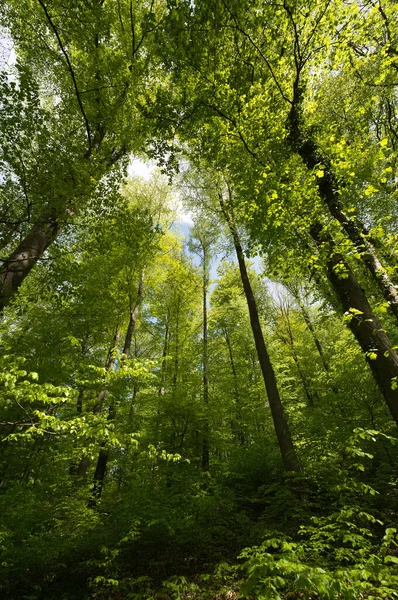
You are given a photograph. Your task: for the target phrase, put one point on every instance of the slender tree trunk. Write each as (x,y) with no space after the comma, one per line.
(74,468)
(289,341)
(232,363)
(300,371)
(164,354)
(103,456)
(81,469)
(79,403)
(128,443)
(236,427)
(317,342)
(133,316)
(303,378)
(205,448)
(22,260)
(176,352)
(313,333)
(282,430)
(365,326)
(109,365)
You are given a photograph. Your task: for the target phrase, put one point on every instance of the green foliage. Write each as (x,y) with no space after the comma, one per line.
(344,554)
(290,112)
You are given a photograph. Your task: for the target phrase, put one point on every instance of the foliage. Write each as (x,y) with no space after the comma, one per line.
(138,455)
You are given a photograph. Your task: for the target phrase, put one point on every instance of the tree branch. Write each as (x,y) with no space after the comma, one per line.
(262,55)
(72,73)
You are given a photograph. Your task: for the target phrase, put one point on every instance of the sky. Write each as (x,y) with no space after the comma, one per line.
(7,53)
(145,169)
(184,221)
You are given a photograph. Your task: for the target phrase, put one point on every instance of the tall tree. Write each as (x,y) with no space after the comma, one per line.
(91,57)
(288,452)
(203,237)
(262,140)
(103,456)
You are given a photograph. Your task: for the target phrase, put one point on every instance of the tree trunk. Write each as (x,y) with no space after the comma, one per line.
(103,456)
(317,343)
(176,353)
(328,190)
(22,260)
(236,427)
(313,333)
(289,341)
(81,469)
(357,234)
(123,460)
(289,457)
(205,447)
(134,315)
(109,365)
(164,354)
(365,326)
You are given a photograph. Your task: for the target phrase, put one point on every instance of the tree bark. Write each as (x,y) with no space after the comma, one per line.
(357,235)
(328,186)
(134,310)
(22,260)
(103,456)
(164,354)
(365,326)
(205,447)
(43,233)
(236,426)
(289,457)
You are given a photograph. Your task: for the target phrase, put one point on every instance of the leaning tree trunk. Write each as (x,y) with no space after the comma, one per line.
(365,326)
(382,359)
(103,456)
(22,260)
(43,233)
(328,188)
(288,452)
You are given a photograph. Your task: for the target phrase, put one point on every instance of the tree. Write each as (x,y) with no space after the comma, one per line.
(256,143)
(90,58)
(203,237)
(129,367)
(283,434)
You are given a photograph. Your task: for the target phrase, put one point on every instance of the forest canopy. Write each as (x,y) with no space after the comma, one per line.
(199,299)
